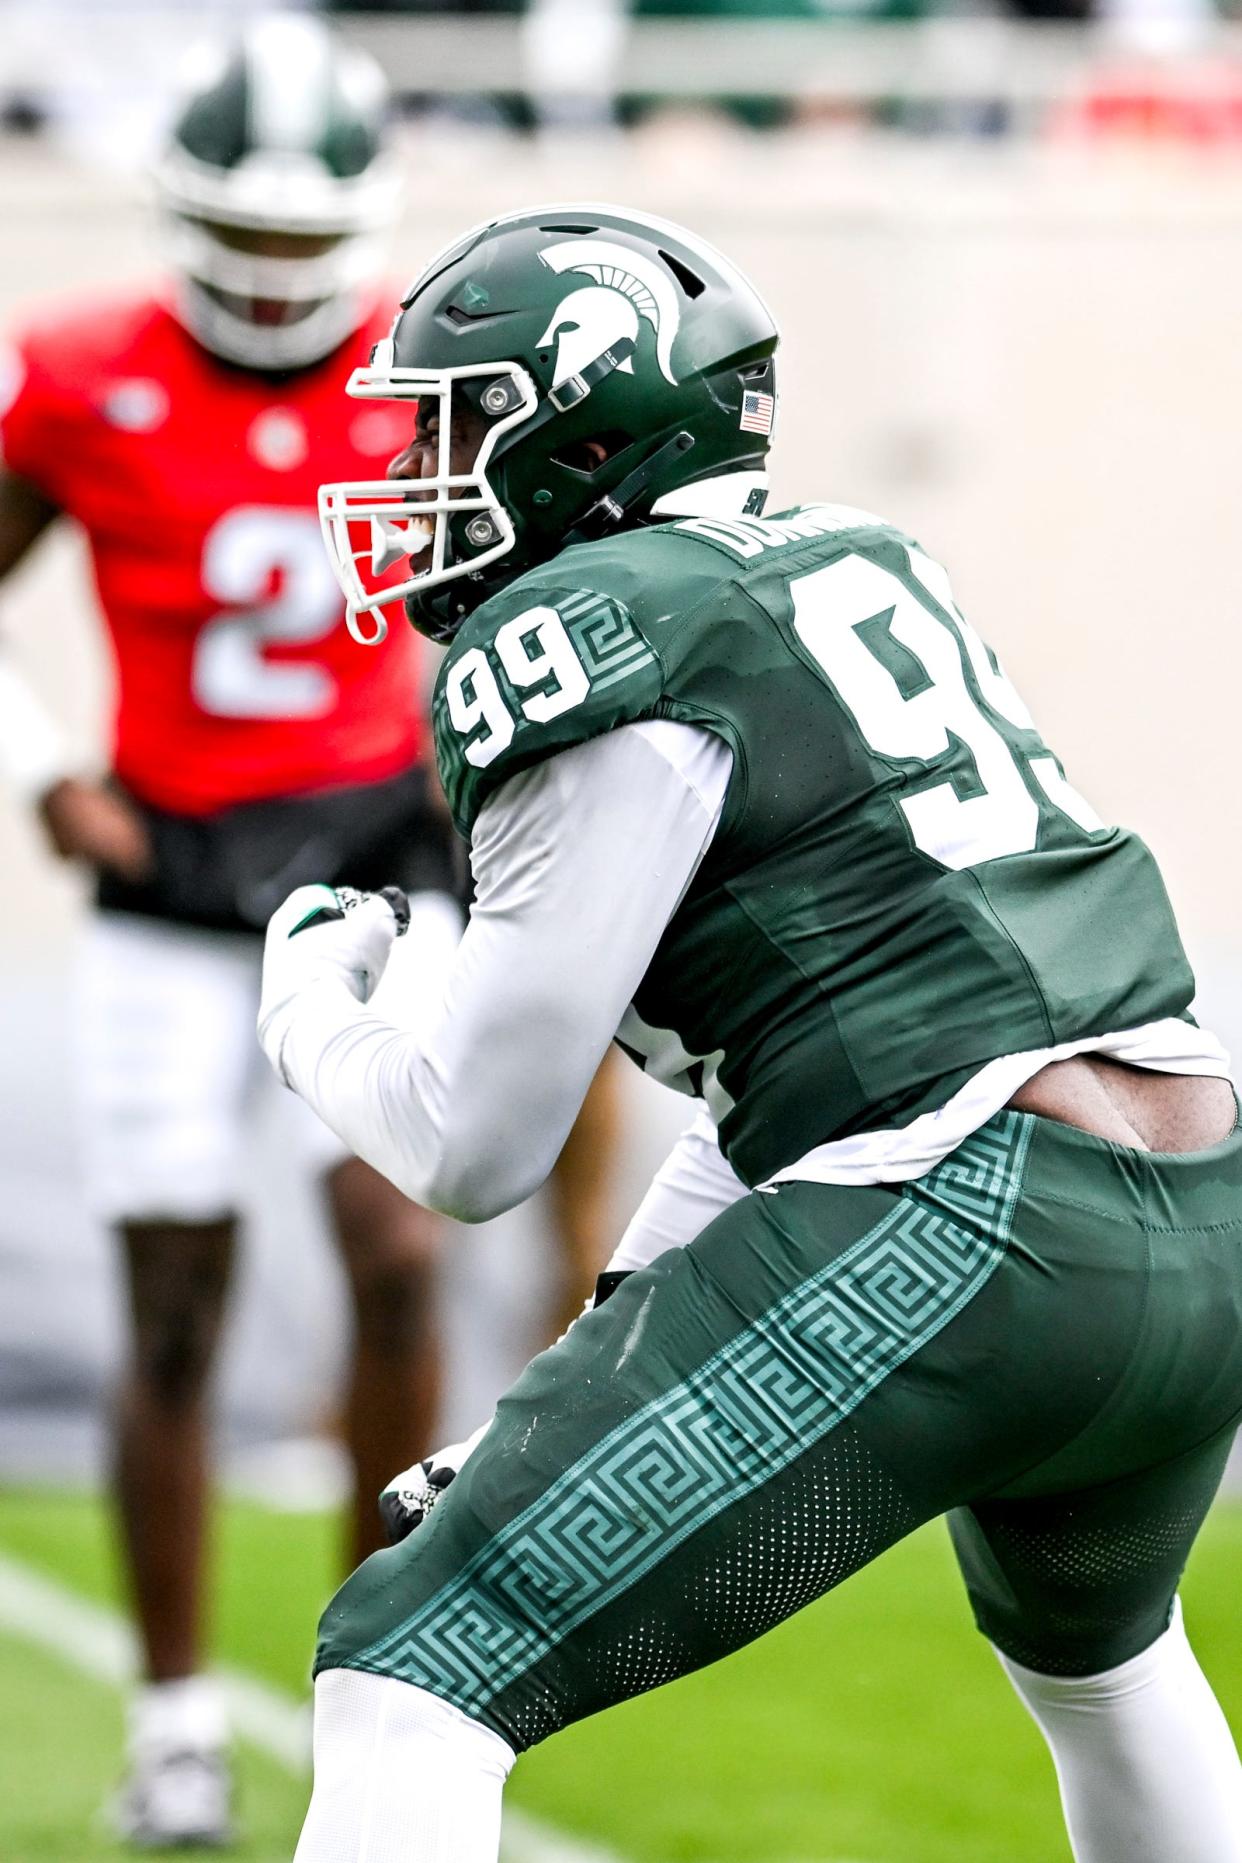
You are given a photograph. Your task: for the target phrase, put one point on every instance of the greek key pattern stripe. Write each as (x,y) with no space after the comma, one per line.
(773,1391)
(608,641)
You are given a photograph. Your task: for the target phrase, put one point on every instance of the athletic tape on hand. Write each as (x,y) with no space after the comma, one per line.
(346,899)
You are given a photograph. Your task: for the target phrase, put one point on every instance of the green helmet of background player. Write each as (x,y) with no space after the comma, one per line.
(277,190)
(606,361)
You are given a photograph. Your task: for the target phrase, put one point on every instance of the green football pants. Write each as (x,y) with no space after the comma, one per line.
(1043,1335)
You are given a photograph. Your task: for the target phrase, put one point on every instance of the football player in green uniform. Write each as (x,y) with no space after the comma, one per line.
(958,1225)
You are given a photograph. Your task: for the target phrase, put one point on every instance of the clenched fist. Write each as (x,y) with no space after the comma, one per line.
(325,934)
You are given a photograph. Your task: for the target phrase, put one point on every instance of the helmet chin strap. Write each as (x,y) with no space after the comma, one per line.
(578,387)
(611,510)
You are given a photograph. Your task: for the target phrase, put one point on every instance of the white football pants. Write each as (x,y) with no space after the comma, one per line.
(169,1069)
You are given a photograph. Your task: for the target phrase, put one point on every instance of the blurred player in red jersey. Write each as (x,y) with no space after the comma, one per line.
(255,745)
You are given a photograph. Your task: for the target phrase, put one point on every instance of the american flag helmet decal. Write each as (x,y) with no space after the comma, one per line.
(758,412)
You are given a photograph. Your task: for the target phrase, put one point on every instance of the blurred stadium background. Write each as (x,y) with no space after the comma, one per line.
(1005,245)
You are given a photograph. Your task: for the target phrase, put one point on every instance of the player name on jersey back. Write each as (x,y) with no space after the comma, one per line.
(748,537)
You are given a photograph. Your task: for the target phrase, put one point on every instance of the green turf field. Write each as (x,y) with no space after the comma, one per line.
(874,1728)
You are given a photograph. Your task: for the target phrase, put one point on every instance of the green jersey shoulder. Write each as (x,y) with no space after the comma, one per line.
(586,642)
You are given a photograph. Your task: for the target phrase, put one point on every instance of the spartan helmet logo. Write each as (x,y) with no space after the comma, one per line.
(627,285)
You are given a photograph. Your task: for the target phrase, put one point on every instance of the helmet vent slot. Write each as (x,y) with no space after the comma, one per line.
(689,281)
(456,314)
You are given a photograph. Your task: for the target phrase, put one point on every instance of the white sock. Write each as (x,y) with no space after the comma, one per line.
(400,1777)
(1146,1763)
(186,1716)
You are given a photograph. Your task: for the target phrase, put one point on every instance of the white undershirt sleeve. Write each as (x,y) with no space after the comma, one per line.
(692,1187)
(579,864)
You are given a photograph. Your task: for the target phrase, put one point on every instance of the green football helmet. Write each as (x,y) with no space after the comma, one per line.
(277,190)
(564,333)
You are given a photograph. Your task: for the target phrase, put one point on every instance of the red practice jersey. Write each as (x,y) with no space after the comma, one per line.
(196,484)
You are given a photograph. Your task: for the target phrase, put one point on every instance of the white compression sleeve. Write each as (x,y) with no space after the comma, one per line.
(692,1186)
(400,1777)
(1145,1760)
(579,865)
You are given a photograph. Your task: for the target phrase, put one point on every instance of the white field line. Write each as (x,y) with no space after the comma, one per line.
(99,1643)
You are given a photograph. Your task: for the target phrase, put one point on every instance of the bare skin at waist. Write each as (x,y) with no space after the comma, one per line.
(1130,1105)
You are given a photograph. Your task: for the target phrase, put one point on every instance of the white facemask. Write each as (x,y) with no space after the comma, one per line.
(370,525)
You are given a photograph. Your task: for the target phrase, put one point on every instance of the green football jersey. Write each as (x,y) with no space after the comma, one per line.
(903,885)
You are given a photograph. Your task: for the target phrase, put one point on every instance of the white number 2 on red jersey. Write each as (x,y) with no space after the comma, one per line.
(231,676)
(830,607)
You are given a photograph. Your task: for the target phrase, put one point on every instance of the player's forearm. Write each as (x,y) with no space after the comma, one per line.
(580,863)
(345,1062)
(469,1128)
(466,1110)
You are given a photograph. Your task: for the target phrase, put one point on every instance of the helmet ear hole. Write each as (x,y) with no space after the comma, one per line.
(587,457)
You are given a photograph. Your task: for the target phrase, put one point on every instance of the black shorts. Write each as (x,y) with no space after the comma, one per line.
(229,871)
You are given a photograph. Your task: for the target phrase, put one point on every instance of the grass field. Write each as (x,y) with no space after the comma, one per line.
(873,1728)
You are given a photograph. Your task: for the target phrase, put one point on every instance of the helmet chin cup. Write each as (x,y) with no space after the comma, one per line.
(449,525)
